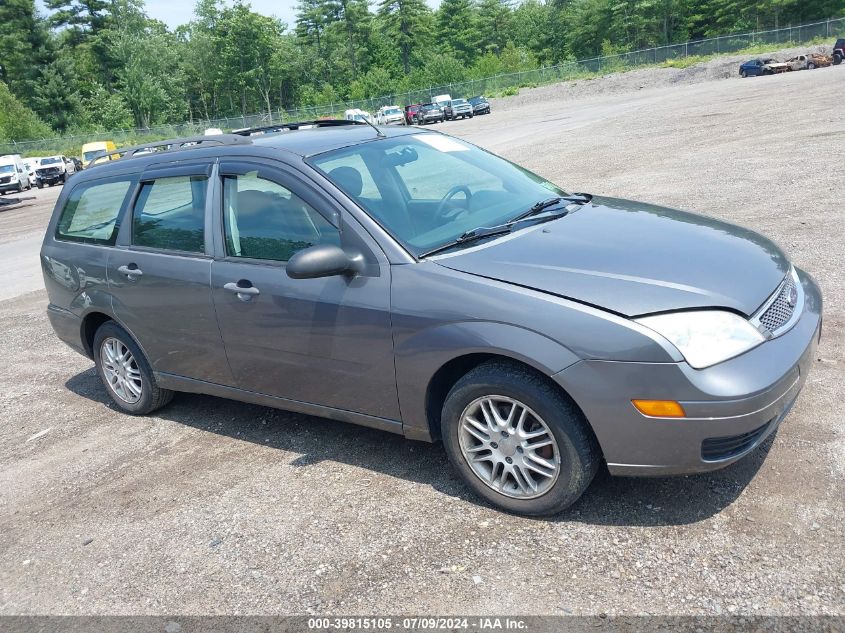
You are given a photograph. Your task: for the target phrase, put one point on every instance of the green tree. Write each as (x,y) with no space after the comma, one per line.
(354,18)
(408,24)
(17,122)
(22,46)
(457,31)
(56,98)
(494,25)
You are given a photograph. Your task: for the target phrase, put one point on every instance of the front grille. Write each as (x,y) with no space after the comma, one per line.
(5,179)
(717,448)
(777,314)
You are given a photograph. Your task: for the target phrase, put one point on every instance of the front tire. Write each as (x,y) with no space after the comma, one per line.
(125,372)
(837,59)
(517,440)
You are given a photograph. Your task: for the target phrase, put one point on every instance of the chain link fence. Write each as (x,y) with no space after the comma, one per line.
(489,85)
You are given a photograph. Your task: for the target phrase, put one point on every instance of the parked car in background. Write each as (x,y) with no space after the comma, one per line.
(480,105)
(388,115)
(91,152)
(411,113)
(441,100)
(755,68)
(13,174)
(809,62)
(53,170)
(839,51)
(539,334)
(31,164)
(356,114)
(77,164)
(430,113)
(457,109)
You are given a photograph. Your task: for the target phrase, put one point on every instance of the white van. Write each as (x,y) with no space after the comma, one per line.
(442,100)
(358,115)
(13,174)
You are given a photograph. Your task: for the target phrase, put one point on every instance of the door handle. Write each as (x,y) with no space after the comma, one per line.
(245,293)
(131,271)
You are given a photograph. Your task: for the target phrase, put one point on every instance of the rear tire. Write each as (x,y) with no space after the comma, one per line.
(811,66)
(499,461)
(125,372)
(743,74)
(837,59)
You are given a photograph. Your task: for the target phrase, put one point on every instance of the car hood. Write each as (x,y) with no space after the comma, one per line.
(633,258)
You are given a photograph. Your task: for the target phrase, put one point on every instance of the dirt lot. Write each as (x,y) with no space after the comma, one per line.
(219,507)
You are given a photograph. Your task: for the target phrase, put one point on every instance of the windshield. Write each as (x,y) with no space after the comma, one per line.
(458,102)
(89,156)
(50,161)
(7,169)
(428,189)
(393,111)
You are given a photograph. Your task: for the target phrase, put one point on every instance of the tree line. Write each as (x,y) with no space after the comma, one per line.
(87,65)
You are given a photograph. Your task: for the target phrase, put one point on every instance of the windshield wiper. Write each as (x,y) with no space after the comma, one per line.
(578,198)
(489,231)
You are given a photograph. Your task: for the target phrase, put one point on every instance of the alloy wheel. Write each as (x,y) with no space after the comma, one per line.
(509,447)
(121,370)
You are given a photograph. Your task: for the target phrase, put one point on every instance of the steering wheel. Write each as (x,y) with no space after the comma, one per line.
(446,212)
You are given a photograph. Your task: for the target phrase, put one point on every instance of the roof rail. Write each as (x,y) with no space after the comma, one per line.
(173,145)
(294,125)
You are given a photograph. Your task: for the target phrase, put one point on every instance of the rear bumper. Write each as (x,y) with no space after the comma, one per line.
(731,407)
(68,327)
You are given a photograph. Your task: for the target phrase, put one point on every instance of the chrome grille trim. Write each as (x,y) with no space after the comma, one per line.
(776,316)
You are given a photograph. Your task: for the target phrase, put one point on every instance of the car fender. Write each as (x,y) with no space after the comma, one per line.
(419,357)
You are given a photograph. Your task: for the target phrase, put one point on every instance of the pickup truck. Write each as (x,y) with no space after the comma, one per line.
(53,170)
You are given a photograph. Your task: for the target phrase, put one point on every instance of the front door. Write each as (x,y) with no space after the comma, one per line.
(321,341)
(159,275)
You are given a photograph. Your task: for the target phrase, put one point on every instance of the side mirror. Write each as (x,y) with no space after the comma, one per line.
(323,260)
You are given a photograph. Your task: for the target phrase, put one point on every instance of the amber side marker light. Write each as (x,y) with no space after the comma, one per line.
(659,408)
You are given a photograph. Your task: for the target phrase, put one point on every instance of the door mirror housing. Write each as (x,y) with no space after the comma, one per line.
(323,260)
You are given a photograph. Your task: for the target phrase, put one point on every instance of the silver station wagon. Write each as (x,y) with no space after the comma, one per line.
(409,281)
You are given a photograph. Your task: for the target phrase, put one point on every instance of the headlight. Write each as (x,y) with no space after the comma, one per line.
(705,337)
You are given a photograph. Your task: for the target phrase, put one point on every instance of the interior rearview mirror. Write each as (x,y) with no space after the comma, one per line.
(323,260)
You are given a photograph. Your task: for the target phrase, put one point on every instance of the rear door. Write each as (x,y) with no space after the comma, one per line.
(159,274)
(321,341)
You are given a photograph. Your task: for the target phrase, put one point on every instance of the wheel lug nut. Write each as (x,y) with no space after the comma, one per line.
(509,460)
(494,445)
(518,449)
(504,434)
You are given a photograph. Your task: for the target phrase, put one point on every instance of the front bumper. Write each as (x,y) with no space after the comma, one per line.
(10,186)
(731,407)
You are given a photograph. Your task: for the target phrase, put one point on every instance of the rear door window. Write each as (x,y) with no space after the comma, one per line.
(169,214)
(91,211)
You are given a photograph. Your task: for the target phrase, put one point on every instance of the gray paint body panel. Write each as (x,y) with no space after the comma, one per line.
(555,297)
(634,259)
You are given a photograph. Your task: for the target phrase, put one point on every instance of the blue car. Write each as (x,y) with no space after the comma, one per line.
(756,67)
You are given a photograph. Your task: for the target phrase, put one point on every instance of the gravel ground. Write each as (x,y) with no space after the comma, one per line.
(218,507)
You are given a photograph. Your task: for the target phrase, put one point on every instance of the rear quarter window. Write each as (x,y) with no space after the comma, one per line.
(90,212)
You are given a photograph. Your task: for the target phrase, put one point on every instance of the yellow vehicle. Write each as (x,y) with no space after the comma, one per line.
(92,151)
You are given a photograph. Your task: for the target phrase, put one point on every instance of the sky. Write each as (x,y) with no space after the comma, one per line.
(176,12)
